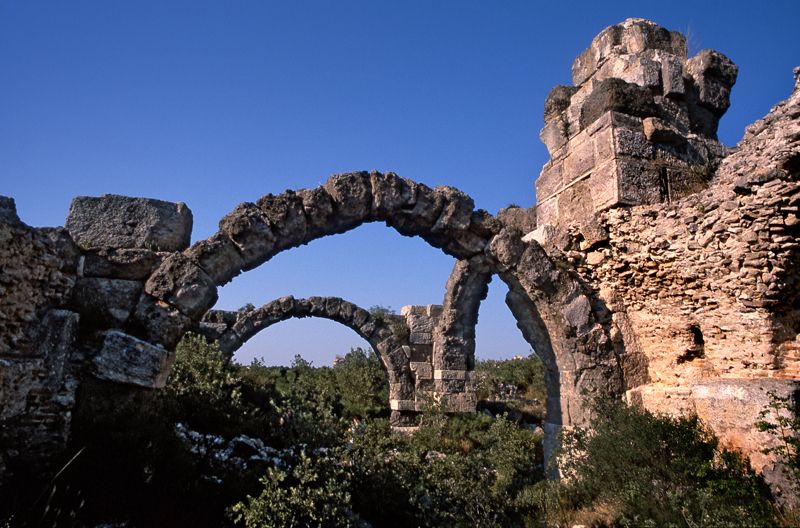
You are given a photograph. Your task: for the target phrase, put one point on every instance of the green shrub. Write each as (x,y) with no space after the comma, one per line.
(314,493)
(525,376)
(362,385)
(638,469)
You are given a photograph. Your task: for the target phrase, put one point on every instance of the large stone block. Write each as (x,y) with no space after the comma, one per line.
(105,302)
(604,185)
(632,142)
(639,182)
(113,263)
(252,234)
(158,322)
(672,76)
(123,222)
(555,134)
(714,74)
(182,283)
(580,159)
(126,359)
(619,96)
(219,258)
(549,181)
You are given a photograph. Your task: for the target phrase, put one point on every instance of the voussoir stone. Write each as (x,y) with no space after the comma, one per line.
(182,283)
(122,222)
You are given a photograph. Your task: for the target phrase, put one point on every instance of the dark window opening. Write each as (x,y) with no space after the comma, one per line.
(696,348)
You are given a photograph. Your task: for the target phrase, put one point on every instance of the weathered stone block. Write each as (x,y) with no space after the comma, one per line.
(580,158)
(578,315)
(402,405)
(286,216)
(672,76)
(659,131)
(219,258)
(555,134)
(113,263)
(549,181)
(441,374)
(459,402)
(632,142)
(420,338)
(250,231)
(619,96)
(352,197)
(126,359)
(604,186)
(421,353)
(547,212)
(122,222)
(158,322)
(639,183)
(420,323)
(105,302)
(182,283)
(714,74)
(603,144)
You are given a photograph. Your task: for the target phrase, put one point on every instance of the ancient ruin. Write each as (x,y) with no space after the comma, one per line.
(658,266)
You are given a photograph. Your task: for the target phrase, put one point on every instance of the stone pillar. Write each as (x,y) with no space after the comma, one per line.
(434,381)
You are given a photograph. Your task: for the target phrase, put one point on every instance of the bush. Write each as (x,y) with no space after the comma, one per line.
(313,493)
(638,469)
(361,382)
(521,378)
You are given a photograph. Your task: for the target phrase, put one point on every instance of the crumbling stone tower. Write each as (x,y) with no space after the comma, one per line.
(639,126)
(690,250)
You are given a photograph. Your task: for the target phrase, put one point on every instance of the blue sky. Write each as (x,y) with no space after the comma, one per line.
(215,103)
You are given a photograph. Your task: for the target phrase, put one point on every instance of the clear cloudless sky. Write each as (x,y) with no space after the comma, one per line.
(215,103)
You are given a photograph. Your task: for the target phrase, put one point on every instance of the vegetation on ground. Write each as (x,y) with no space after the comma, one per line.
(334,460)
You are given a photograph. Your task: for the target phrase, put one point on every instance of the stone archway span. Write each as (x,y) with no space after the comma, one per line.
(183,288)
(467,286)
(561,319)
(253,233)
(386,334)
(556,313)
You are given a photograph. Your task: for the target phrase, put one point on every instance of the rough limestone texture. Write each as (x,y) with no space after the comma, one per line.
(657,266)
(638,126)
(122,222)
(701,287)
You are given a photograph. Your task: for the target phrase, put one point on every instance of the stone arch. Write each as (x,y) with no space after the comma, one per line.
(561,318)
(255,232)
(183,288)
(556,313)
(386,334)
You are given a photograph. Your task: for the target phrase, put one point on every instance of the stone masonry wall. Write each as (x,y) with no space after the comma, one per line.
(703,283)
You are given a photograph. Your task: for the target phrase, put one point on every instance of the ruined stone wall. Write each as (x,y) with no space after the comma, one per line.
(38,378)
(702,285)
